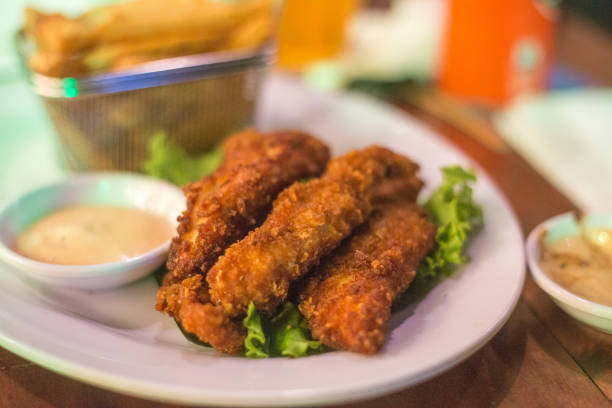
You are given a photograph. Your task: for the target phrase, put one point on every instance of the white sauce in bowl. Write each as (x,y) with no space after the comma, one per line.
(93,234)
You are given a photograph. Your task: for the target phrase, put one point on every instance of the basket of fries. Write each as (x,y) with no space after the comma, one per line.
(114,76)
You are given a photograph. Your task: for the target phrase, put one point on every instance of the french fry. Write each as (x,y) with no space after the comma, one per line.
(56,64)
(252,33)
(121,35)
(106,55)
(54,32)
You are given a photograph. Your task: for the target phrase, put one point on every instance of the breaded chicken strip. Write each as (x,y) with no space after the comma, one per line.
(347,299)
(189,303)
(223,207)
(308,221)
(207,321)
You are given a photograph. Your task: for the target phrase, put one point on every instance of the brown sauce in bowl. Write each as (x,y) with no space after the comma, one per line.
(582,264)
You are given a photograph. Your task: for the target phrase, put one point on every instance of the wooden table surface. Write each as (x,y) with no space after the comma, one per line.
(541,357)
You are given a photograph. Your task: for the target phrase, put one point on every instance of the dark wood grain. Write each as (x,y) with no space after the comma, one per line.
(8,360)
(31,386)
(591,349)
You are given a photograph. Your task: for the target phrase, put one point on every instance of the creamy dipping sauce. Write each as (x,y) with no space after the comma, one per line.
(581,264)
(93,234)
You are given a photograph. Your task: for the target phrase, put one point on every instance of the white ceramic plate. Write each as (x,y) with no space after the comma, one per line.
(117,341)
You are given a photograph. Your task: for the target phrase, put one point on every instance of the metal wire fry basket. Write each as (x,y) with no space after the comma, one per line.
(105,121)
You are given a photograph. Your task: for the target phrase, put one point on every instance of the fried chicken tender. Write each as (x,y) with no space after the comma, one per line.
(223,207)
(347,299)
(308,221)
(207,321)
(189,303)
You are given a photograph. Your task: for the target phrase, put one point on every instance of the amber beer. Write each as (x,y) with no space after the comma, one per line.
(312,30)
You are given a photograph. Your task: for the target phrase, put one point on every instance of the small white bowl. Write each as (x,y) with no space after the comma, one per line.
(120,189)
(594,314)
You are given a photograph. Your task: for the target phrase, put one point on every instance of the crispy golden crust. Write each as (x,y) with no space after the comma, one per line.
(307,222)
(207,321)
(211,325)
(168,298)
(347,299)
(171,296)
(189,303)
(223,207)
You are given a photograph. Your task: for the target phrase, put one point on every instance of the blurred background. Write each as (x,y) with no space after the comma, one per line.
(527,75)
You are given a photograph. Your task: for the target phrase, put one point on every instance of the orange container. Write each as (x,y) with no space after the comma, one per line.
(495,50)
(312,30)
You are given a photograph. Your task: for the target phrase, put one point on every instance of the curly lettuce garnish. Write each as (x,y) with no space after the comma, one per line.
(286,334)
(453,209)
(170,162)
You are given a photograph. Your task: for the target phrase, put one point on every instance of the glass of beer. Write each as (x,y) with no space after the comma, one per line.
(312,30)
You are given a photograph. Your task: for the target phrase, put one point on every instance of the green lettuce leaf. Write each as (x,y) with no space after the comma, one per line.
(256,344)
(286,334)
(289,334)
(453,209)
(170,162)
